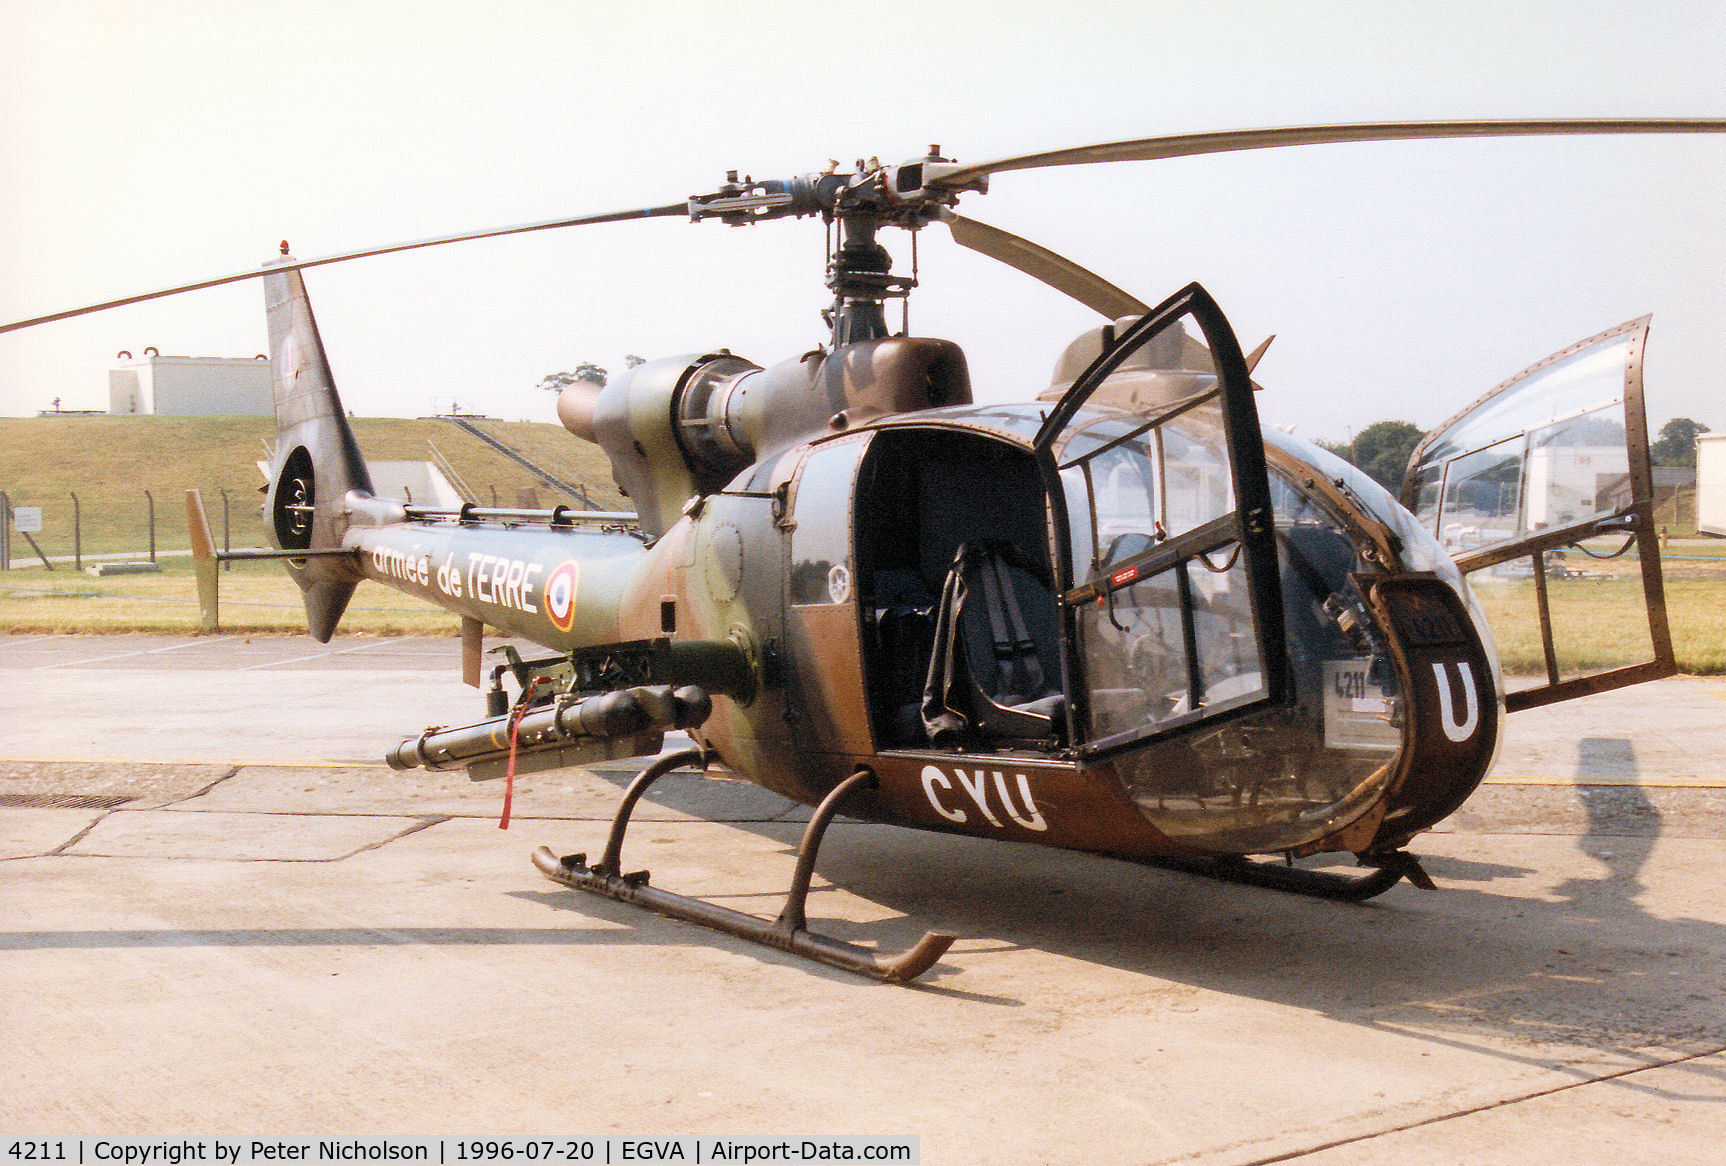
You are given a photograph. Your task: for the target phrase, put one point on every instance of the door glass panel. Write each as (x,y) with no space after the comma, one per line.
(1483,496)
(1595,603)
(1224,631)
(1572,466)
(1196,477)
(1595,593)
(1174,594)
(1135,656)
(1145,482)
(1542,492)
(1542,457)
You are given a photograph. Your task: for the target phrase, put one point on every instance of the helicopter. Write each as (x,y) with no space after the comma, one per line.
(1121,618)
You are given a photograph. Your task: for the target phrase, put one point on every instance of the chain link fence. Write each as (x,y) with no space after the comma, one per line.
(77,529)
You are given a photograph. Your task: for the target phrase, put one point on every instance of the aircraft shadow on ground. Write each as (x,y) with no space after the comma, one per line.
(1501,971)
(1482,964)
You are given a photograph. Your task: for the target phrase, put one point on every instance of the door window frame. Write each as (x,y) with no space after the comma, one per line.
(1634,520)
(1249,524)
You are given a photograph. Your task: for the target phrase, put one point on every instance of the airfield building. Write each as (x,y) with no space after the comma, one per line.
(1711,484)
(190,386)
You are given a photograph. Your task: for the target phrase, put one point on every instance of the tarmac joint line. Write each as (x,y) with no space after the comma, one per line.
(1487,1107)
(62,850)
(425,823)
(233,771)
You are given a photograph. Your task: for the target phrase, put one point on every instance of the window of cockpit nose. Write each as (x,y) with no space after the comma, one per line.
(1316,557)
(1296,509)
(1336,652)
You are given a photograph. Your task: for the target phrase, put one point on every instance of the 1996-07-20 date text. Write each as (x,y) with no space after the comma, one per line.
(546,1150)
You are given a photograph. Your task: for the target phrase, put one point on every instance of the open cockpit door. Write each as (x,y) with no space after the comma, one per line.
(1542,492)
(1166,549)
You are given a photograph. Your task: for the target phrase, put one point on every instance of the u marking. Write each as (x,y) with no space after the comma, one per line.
(1454,730)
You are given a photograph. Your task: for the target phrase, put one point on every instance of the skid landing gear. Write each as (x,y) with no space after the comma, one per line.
(1390,868)
(790,932)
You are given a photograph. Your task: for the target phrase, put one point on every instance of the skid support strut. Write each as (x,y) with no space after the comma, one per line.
(1390,868)
(789,932)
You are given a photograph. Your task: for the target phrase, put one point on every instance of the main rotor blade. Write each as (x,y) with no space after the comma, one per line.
(1060,273)
(1226,141)
(681,208)
(1039,262)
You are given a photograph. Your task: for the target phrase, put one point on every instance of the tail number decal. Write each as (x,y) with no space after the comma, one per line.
(938,788)
(1453,729)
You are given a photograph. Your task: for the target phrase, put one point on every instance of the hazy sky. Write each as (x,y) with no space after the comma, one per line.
(143,145)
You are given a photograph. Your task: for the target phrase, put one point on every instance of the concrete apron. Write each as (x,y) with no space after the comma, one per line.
(213,936)
(348,951)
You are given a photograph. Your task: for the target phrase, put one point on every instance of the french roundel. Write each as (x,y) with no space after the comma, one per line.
(560,596)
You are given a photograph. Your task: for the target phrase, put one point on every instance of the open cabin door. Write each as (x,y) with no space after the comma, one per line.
(1542,492)
(1167,555)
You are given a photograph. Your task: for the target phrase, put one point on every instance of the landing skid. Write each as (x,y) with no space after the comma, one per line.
(789,932)
(1390,869)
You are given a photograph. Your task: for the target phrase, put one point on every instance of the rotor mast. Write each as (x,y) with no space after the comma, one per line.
(861,278)
(859,270)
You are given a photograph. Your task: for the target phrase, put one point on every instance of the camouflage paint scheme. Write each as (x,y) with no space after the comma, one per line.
(1161,632)
(712,561)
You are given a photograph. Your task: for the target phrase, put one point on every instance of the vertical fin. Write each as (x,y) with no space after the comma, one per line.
(316,462)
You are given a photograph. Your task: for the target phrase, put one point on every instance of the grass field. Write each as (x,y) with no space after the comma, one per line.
(110,462)
(1598,622)
(1598,613)
(254,598)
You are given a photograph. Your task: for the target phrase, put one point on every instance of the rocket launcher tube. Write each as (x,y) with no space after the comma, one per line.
(629,712)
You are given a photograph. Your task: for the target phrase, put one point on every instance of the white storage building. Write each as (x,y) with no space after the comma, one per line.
(190,386)
(1711,484)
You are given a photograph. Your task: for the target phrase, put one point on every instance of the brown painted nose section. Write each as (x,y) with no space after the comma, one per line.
(1452,700)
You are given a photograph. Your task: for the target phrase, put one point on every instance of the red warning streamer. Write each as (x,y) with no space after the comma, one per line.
(521,708)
